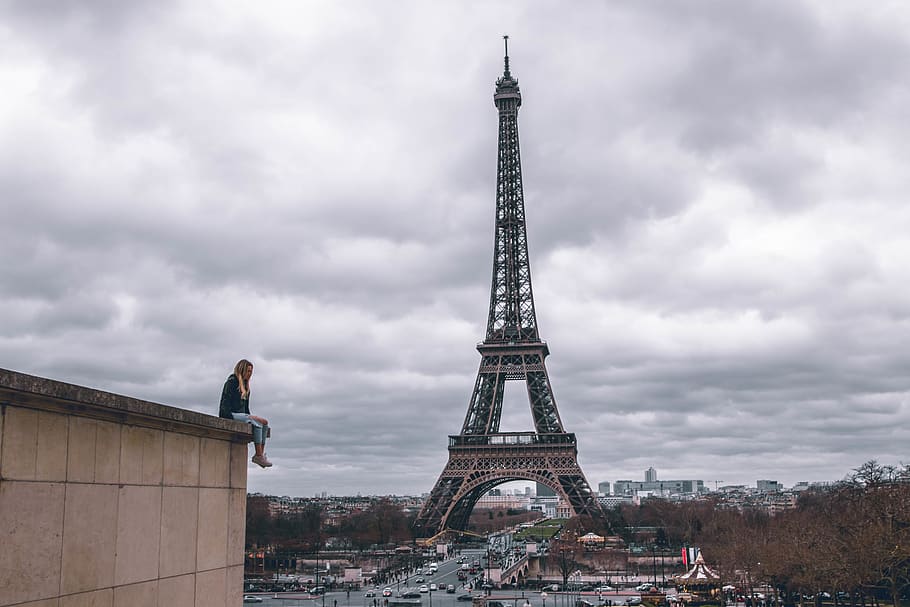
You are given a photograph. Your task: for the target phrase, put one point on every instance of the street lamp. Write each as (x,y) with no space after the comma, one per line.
(543,596)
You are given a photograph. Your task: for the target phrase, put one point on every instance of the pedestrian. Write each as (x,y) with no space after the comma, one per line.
(235,404)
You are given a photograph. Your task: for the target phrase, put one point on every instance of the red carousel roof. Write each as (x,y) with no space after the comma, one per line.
(699,574)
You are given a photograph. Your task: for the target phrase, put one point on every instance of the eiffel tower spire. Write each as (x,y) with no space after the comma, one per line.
(482,457)
(512,316)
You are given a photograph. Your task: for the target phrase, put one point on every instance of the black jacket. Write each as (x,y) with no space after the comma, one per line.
(230,399)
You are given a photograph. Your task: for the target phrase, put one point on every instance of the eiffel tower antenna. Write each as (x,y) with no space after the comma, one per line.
(505,71)
(481,456)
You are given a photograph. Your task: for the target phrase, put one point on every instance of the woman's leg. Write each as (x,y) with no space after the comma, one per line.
(259,431)
(263,431)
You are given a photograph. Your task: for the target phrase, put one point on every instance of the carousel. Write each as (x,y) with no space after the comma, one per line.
(700,585)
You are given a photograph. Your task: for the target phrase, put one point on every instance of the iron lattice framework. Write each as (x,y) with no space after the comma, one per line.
(481,457)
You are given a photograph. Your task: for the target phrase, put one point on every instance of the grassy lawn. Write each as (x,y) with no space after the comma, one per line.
(544,530)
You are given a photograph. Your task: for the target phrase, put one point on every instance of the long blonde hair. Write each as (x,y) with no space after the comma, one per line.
(240,370)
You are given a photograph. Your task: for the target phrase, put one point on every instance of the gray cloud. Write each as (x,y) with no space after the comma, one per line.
(716,212)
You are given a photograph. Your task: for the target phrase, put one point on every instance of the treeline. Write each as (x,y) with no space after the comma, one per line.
(851,540)
(383,523)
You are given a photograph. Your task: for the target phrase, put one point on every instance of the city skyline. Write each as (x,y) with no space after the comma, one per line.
(715,202)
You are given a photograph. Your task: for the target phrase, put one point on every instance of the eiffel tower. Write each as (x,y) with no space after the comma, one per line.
(482,457)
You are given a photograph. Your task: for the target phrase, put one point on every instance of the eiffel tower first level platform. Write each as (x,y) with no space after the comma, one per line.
(479,463)
(482,457)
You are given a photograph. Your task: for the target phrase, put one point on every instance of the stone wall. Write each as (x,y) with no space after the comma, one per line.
(111,501)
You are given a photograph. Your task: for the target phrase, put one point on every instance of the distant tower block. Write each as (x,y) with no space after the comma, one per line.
(650,475)
(482,457)
(544,491)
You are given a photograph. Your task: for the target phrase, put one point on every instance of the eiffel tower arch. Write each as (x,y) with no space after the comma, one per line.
(481,456)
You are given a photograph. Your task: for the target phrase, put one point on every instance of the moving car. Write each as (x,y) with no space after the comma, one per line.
(604,589)
(433,587)
(387,591)
(633,600)
(423,589)
(450,589)
(249,598)
(465,597)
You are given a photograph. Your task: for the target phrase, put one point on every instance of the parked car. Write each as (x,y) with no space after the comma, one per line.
(249,598)
(633,600)
(604,589)
(551,588)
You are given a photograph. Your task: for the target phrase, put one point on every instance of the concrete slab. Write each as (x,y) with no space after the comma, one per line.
(31,571)
(180,590)
(137,595)
(90,524)
(211,546)
(20,443)
(179,516)
(181,459)
(214,463)
(138,534)
(210,588)
(98,598)
(50,456)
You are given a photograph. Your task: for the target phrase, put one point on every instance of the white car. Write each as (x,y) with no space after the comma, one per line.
(433,587)
(423,589)
(249,598)
(604,589)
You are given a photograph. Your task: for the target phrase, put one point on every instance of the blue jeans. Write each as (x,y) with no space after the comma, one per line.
(258,429)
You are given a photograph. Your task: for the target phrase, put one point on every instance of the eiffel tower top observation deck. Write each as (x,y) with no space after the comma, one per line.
(481,456)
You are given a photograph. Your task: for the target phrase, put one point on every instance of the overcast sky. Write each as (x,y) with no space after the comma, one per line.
(716,198)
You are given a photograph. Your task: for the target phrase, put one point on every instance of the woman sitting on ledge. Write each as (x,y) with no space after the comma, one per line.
(235,404)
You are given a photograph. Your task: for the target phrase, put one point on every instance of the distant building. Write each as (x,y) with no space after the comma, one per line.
(769,486)
(650,475)
(544,491)
(663,488)
(603,488)
(501,502)
(611,501)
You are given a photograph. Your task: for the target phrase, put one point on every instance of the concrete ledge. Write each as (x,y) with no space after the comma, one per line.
(22,390)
